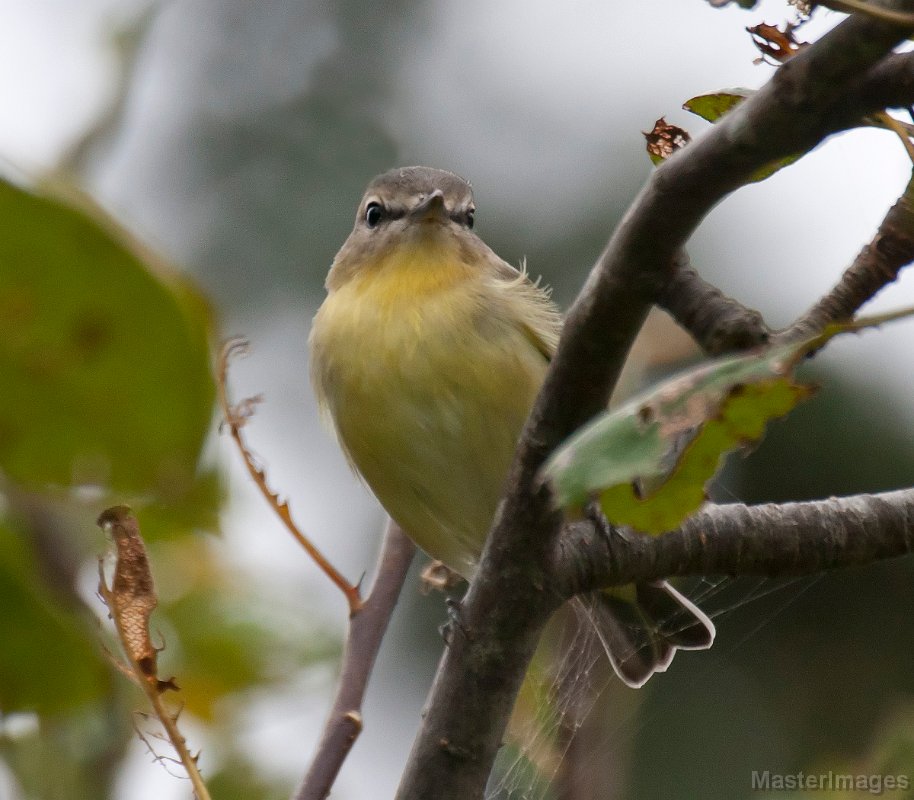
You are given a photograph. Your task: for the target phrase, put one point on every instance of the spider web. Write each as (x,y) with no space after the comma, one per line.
(569,675)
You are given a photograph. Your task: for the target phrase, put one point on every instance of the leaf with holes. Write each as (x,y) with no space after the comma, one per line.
(648,462)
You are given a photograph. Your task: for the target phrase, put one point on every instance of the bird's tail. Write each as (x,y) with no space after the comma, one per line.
(642,626)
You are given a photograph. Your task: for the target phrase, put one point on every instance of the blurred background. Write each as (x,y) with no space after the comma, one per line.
(234,142)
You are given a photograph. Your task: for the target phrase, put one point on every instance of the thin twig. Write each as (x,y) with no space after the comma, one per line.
(877,265)
(236,416)
(366,630)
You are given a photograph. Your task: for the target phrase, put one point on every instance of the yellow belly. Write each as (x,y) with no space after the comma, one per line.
(428,398)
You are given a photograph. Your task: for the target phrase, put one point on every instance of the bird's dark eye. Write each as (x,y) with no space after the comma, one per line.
(373,214)
(471,216)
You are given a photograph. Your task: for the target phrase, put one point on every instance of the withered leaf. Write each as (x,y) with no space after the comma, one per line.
(664,140)
(775,45)
(132,596)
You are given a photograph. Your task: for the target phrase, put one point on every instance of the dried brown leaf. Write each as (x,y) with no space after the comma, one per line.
(775,45)
(131,599)
(664,140)
(132,596)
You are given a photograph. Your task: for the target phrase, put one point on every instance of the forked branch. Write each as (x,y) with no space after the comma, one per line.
(718,323)
(368,617)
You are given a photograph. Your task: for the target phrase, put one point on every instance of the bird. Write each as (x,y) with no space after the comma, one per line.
(427,355)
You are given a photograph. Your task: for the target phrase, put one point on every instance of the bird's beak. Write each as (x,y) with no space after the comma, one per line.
(429,208)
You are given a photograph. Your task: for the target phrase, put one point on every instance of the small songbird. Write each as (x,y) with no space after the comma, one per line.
(427,354)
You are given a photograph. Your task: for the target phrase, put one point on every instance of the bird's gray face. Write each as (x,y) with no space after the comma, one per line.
(408,207)
(413,199)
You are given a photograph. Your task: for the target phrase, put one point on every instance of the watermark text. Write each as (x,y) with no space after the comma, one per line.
(875,784)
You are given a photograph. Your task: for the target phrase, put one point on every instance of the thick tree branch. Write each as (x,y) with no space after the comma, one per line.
(718,323)
(366,629)
(771,539)
(876,265)
(512,595)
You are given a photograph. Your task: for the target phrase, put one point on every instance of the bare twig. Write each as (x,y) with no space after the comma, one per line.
(718,323)
(366,629)
(131,599)
(877,265)
(235,417)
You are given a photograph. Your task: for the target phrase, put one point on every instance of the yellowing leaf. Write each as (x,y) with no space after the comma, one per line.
(648,462)
(742,420)
(712,107)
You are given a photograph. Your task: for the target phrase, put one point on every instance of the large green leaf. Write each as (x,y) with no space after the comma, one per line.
(104,364)
(648,462)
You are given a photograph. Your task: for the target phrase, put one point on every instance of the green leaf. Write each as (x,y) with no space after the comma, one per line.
(104,362)
(712,107)
(649,461)
(50,660)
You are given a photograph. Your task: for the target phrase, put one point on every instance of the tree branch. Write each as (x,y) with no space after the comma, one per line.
(718,323)
(512,595)
(877,265)
(366,629)
(774,539)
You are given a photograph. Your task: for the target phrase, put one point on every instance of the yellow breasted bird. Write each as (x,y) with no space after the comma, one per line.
(428,353)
